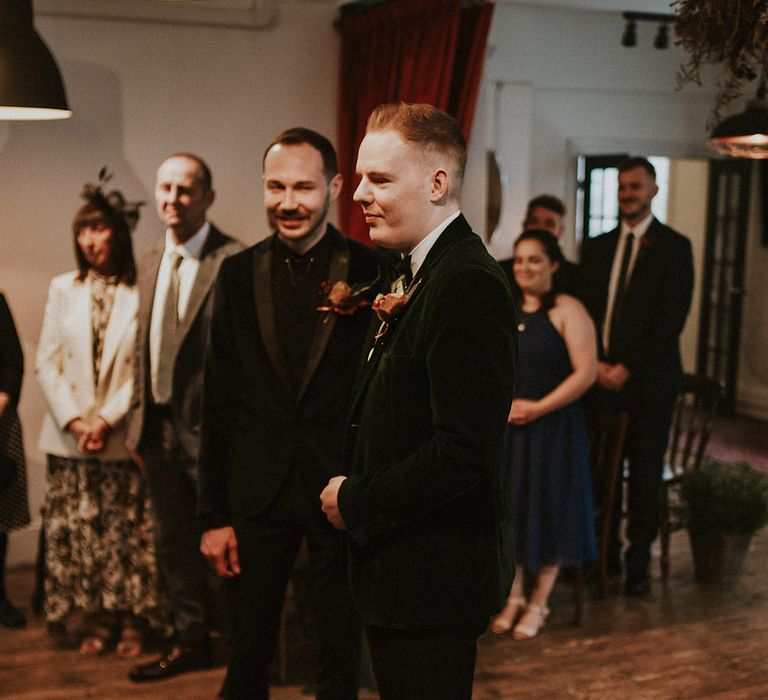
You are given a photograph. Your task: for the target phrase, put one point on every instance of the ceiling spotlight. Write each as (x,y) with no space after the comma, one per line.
(629,38)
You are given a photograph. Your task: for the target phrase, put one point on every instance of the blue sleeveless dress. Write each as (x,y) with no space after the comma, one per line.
(549,466)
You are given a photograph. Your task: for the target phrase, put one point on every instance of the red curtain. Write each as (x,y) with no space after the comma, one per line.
(410,50)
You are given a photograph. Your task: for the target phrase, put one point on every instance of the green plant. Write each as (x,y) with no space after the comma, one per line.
(731,498)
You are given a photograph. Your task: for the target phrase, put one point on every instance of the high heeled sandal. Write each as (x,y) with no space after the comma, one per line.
(502,623)
(131,641)
(102,639)
(531,623)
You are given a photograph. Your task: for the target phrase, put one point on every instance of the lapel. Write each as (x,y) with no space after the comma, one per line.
(647,242)
(262,298)
(206,273)
(148,270)
(338,270)
(120,318)
(81,293)
(458,229)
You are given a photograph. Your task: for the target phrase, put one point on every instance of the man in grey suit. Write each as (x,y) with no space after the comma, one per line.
(175,283)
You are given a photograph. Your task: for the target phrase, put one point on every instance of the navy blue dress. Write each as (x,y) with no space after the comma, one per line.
(550,477)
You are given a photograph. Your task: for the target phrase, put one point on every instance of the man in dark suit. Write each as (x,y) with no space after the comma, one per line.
(638,282)
(175,281)
(289,320)
(546,212)
(425,505)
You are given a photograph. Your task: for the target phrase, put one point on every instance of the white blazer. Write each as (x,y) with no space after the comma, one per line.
(64,366)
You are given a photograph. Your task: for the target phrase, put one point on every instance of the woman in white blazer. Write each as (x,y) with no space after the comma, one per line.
(99,552)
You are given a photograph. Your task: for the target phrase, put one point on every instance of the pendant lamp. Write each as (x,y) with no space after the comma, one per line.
(30,82)
(744,135)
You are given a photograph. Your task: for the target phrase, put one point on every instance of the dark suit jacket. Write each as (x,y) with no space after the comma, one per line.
(425,504)
(11,355)
(193,334)
(255,427)
(656,305)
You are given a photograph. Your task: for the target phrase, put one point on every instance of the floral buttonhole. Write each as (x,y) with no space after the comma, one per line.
(389,306)
(344,299)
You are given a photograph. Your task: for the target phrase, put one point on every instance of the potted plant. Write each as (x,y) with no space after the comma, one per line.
(724,505)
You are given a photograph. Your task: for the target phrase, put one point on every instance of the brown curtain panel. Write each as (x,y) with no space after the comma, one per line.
(410,50)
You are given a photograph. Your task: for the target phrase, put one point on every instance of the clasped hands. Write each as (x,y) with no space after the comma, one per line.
(90,436)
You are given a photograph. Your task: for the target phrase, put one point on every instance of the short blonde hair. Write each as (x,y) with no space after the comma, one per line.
(428,127)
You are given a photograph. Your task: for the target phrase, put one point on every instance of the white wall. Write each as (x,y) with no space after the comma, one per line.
(141,91)
(565,86)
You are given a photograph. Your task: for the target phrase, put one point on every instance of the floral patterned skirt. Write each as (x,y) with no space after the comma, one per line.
(100,549)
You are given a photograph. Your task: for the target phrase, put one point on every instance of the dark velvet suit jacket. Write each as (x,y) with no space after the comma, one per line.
(255,427)
(193,334)
(425,504)
(657,301)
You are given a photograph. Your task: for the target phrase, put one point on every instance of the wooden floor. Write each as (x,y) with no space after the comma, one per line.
(686,641)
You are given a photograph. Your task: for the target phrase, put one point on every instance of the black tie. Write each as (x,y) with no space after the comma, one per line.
(621,288)
(403,269)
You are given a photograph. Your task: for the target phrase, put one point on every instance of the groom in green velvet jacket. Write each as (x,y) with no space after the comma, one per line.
(425,503)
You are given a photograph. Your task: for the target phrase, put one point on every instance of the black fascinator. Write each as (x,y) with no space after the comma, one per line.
(112,203)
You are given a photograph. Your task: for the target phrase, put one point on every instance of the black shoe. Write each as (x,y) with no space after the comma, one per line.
(179,660)
(638,585)
(11,616)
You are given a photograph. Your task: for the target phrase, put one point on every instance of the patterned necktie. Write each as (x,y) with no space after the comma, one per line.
(621,288)
(168,334)
(403,270)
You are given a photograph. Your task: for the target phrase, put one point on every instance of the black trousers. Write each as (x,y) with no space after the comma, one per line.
(646,442)
(267,549)
(434,664)
(172,481)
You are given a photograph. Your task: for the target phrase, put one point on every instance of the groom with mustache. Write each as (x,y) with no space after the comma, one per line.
(289,320)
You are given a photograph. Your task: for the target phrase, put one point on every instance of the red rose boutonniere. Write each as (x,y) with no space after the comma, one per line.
(389,306)
(343,299)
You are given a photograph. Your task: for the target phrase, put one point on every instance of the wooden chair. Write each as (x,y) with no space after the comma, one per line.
(689,435)
(606,435)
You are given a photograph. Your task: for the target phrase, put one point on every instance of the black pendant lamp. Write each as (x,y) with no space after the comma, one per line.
(30,82)
(744,135)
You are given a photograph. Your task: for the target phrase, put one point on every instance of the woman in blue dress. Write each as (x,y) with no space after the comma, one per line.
(549,477)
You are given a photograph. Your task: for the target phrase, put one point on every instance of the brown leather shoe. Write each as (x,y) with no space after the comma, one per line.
(180,660)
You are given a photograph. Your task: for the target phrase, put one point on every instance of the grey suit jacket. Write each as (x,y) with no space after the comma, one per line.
(193,335)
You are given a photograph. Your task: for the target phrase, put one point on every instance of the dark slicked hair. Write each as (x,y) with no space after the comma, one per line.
(206,179)
(298,135)
(546,201)
(637,162)
(428,127)
(552,250)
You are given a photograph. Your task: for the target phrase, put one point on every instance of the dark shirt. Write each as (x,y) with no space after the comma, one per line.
(297,292)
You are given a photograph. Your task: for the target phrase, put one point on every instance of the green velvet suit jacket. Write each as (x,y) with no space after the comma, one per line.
(426,503)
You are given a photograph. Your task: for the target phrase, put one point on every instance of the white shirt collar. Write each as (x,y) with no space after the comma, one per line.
(639,229)
(192,247)
(420,252)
